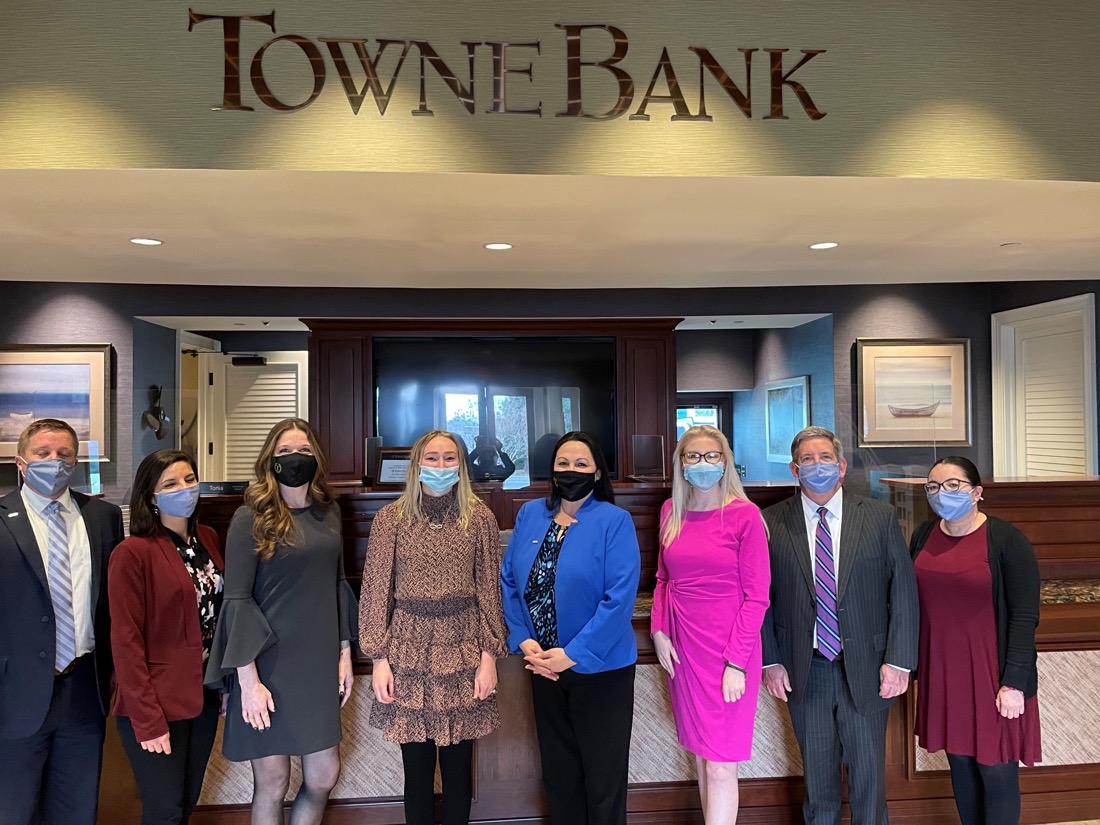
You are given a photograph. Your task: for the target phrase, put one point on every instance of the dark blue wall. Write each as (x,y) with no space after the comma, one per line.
(779,354)
(46,312)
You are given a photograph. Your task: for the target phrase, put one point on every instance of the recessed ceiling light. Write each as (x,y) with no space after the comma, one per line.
(498,246)
(146,241)
(824,245)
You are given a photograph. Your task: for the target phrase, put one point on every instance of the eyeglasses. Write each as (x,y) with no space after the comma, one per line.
(949,484)
(713,457)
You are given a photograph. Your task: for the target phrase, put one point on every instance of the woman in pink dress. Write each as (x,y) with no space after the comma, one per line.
(713,577)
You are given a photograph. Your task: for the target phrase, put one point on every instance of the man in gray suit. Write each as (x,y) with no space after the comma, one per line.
(840,636)
(55,640)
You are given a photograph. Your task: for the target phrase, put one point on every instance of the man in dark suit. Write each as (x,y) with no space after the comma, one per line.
(55,643)
(840,636)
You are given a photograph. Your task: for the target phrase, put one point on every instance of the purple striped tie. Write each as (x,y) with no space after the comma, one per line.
(828,623)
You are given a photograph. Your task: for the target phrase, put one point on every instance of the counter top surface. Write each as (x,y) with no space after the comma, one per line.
(1052,591)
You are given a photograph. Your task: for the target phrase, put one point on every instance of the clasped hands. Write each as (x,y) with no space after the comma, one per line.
(547,663)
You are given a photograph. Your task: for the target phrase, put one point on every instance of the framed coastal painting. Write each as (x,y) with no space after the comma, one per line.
(71,382)
(787,411)
(913,392)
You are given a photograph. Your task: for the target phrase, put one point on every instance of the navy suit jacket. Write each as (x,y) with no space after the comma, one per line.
(27,634)
(877,597)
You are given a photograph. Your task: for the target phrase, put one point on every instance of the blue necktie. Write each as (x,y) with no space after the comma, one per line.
(61,584)
(828,622)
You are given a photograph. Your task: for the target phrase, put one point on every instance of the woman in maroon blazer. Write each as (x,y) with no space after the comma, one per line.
(165,590)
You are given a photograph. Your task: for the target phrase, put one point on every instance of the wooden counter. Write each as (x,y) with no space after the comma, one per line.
(1061,517)
(662,790)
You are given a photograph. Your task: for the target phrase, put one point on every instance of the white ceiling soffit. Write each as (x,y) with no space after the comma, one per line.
(375,229)
(224,323)
(747,321)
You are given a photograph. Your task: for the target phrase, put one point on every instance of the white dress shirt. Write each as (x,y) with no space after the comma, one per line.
(80,559)
(833,519)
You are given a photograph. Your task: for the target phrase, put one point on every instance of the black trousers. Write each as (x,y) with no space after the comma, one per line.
(829,731)
(985,794)
(52,776)
(169,784)
(584,722)
(456,773)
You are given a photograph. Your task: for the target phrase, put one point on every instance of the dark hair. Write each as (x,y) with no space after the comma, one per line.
(143,521)
(964,464)
(602,490)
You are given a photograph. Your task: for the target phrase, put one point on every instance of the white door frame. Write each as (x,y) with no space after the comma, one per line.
(1078,312)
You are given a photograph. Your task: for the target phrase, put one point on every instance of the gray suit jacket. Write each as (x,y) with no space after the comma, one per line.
(27,634)
(877,597)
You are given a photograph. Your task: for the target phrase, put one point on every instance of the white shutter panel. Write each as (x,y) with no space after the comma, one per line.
(1054,404)
(256,398)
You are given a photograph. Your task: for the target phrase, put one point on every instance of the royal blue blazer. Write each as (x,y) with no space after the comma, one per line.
(595,588)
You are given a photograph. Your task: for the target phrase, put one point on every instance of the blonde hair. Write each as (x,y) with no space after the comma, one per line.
(409,504)
(682,491)
(272,521)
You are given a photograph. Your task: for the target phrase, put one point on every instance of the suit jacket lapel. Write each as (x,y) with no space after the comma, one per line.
(851,540)
(800,542)
(13,513)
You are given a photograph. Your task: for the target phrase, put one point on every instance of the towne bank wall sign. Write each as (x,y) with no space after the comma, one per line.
(594,55)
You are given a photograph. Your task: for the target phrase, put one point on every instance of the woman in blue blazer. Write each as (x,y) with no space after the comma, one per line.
(569,580)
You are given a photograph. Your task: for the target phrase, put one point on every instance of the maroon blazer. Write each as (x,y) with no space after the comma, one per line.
(155,635)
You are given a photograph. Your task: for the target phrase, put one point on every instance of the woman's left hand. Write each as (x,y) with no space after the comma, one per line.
(1010,702)
(347,678)
(554,659)
(733,684)
(485,679)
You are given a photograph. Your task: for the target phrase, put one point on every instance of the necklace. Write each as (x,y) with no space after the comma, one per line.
(440,511)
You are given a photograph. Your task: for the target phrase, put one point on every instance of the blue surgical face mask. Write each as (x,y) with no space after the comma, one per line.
(820,477)
(180,503)
(951,505)
(49,476)
(704,476)
(439,479)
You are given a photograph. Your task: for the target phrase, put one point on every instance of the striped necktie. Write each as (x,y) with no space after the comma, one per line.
(61,584)
(828,623)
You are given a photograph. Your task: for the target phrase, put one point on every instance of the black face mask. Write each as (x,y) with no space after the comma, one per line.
(294,469)
(573,486)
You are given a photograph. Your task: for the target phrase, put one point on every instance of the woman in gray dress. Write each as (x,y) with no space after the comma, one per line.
(283,639)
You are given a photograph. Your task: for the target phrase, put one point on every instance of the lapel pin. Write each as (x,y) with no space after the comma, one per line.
(12,515)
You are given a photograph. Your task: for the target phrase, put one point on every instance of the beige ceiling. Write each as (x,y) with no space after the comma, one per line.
(281,228)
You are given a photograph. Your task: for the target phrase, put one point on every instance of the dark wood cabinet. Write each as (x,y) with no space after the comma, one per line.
(341,401)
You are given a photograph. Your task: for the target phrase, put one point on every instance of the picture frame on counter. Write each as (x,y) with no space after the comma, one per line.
(70,382)
(913,392)
(391,466)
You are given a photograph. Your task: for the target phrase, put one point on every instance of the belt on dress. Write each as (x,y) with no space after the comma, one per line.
(444,606)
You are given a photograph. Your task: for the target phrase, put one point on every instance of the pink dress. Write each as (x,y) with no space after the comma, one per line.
(712,592)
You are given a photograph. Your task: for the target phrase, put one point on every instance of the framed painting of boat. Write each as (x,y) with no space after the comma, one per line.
(71,382)
(913,392)
(787,410)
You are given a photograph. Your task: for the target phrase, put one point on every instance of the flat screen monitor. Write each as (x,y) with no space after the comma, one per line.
(510,399)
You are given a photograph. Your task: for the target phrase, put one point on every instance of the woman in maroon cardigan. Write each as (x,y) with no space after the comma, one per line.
(978,581)
(165,590)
